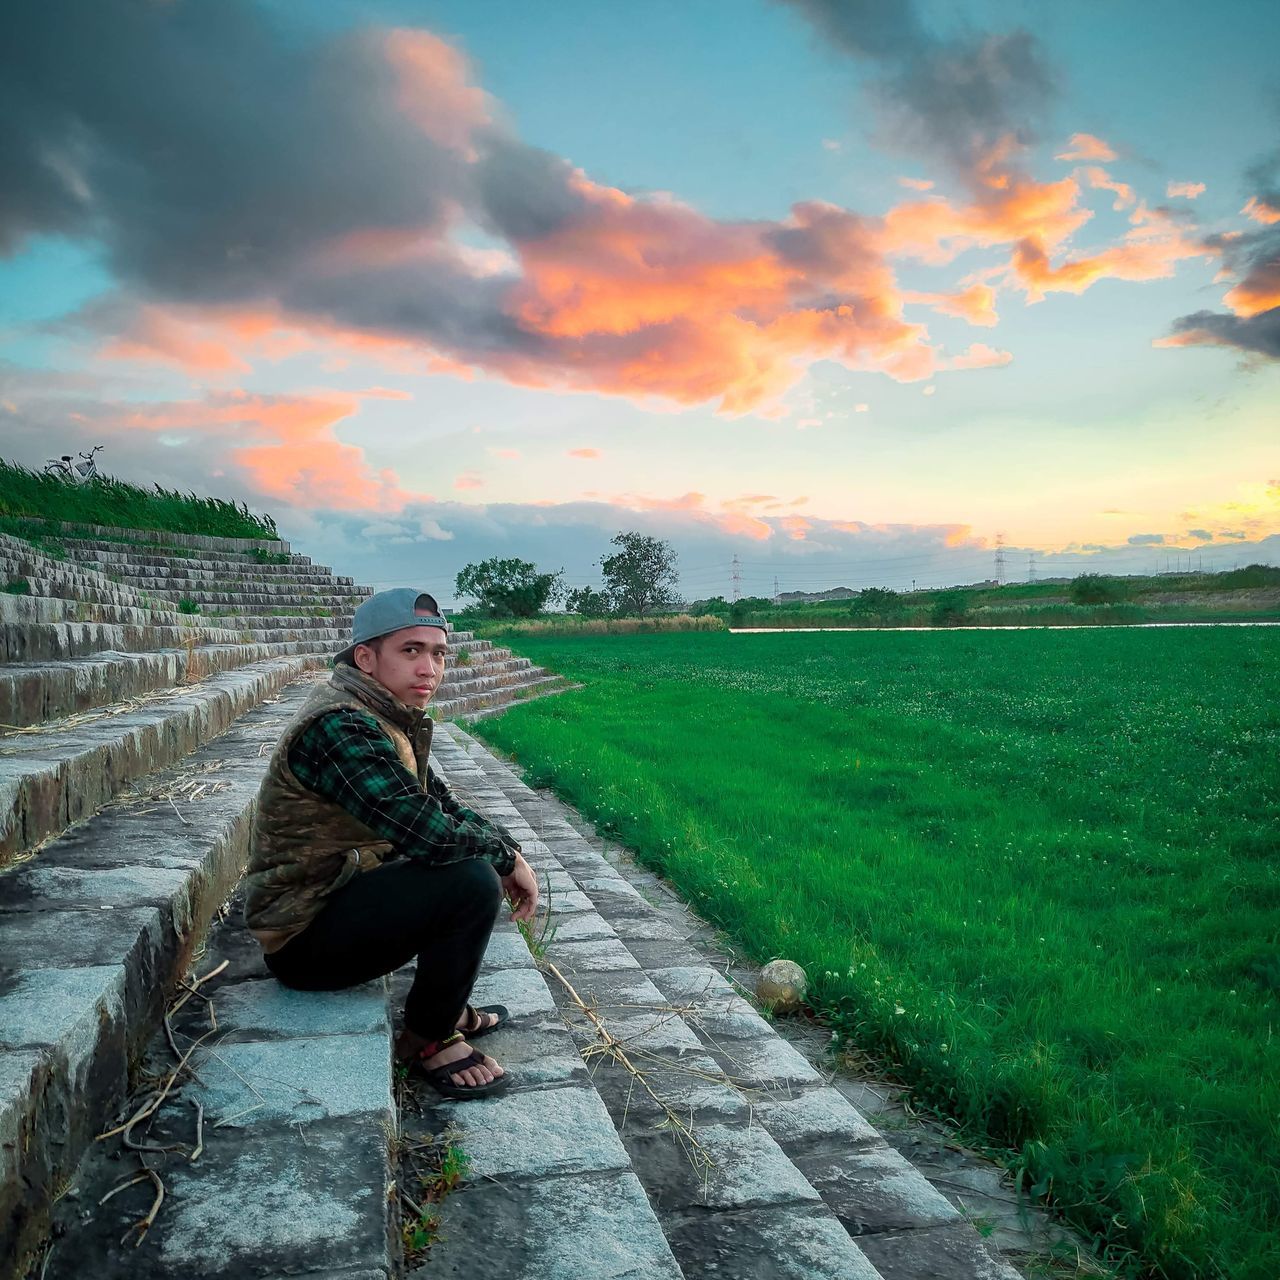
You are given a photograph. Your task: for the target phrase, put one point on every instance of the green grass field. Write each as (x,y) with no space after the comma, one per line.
(1036,871)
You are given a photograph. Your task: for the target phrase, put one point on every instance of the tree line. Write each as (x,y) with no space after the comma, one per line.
(637,579)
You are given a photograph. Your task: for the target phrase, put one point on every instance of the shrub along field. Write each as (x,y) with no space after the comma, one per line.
(1036,871)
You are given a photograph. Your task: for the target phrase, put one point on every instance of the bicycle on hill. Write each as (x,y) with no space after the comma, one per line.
(67,468)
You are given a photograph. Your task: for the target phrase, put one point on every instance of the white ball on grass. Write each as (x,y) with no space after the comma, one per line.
(781,986)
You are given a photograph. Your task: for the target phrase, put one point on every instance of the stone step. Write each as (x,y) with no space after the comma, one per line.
(336,629)
(187,567)
(548,1174)
(466,684)
(45,577)
(38,693)
(773,1173)
(236,586)
(55,641)
(51,779)
(477,703)
(296,1176)
(33,608)
(485,666)
(93,935)
(107,538)
(128,558)
(247,601)
(550,685)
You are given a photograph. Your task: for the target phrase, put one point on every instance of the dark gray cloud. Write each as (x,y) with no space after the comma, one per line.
(220,159)
(209,151)
(1263,178)
(1255,259)
(524,192)
(1259,335)
(952,97)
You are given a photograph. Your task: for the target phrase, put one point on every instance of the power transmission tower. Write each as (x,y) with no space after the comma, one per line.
(776,589)
(737,579)
(1031,566)
(1000,559)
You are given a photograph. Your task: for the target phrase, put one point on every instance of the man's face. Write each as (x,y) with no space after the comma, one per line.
(409,663)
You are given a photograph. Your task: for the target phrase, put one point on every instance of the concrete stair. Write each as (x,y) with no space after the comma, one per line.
(133,737)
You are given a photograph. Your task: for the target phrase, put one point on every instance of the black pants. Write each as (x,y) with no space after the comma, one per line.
(383,918)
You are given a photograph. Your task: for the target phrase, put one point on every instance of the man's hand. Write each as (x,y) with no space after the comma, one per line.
(521,889)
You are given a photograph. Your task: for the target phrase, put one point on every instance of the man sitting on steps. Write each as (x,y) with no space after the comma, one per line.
(362,858)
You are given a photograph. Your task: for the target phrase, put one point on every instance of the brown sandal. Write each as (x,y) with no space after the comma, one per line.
(475,1028)
(439,1077)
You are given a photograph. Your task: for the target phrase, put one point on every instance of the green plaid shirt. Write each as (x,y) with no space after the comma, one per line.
(344,756)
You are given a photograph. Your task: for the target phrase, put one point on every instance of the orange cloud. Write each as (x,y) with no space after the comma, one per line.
(1261,209)
(585,453)
(383,393)
(509,454)
(1085,146)
(980,356)
(977,304)
(936,230)
(693,506)
(433,89)
(659,300)
(1258,292)
(1187,190)
(962,535)
(468,480)
(218,342)
(797,527)
(743,526)
(158,336)
(916,184)
(285,445)
(1101,180)
(749,500)
(1149,251)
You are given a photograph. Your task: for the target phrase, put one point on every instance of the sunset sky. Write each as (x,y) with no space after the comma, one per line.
(847,289)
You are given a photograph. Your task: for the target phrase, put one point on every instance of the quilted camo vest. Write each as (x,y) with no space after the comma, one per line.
(304,847)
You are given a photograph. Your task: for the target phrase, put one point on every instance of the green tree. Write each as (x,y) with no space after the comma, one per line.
(877,604)
(588,602)
(508,588)
(641,575)
(1097,588)
(950,609)
(714,605)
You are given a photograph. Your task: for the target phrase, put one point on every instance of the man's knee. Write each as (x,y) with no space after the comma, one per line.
(471,886)
(484,882)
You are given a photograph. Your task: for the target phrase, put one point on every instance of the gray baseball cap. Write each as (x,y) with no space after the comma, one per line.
(390,611)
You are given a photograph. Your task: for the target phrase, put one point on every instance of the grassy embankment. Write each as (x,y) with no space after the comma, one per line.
(1035,871)
(29,498)
(1241,595)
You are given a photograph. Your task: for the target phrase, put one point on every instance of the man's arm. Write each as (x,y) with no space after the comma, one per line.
(440,789)
(345,757)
